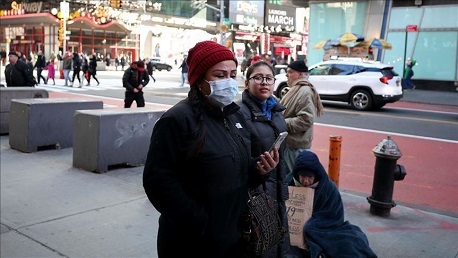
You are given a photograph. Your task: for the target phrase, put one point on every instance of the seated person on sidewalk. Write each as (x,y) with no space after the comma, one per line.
(326,233)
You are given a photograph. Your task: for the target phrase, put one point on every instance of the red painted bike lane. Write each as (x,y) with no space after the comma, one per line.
(431,166)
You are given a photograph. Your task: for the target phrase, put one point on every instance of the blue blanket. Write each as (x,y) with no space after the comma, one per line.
(326,232)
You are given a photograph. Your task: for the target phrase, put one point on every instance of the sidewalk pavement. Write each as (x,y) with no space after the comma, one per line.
(51,209)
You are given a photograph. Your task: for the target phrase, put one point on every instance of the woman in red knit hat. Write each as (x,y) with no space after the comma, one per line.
(199,164)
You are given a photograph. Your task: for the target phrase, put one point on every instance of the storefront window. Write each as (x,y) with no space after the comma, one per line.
(434,46)
(329,20)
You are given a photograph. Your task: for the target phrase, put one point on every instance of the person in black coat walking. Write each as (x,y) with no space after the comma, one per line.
(149,68)
(184,71)
(134,79)
(92,70)
(76,69)
(40,64)
(18,73)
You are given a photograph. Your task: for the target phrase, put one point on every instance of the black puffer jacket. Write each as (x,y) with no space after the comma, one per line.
(134,77)
(264,131)
(201,197)
(18,75)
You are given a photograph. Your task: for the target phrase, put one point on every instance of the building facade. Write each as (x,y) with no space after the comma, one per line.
(413,27)
(29,26)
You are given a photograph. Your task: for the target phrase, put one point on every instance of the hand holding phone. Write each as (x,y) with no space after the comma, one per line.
(281,137)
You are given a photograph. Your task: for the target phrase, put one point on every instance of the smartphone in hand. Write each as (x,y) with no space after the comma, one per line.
(281,137)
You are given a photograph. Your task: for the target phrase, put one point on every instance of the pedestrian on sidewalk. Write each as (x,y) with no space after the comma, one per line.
(84,68)
(92,70)
(76,69)
(199,164)
(40,64)
(326,232)
(149,68)
(135,78)
(123,62)
(184,71)
(116,63)
(17,73)
(67,66)
(303,105)
(264,115)
(408,74)
(51,72)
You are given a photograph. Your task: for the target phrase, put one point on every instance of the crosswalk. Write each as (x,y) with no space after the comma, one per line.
(105,84)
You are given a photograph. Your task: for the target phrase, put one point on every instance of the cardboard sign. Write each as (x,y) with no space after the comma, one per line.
(299,208)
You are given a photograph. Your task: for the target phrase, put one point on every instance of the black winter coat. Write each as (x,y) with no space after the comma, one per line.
(41,62)
(201,197)
(18,75)
(263,134)
(92,65)
(133,77)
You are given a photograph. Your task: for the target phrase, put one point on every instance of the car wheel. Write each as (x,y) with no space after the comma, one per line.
(282,90)
(361,100)
(169,69)
(159,70)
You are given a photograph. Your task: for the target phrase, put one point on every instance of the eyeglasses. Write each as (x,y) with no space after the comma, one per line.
(260,79)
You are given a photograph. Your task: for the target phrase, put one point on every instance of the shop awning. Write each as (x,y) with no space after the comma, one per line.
(34,18)
(41,19)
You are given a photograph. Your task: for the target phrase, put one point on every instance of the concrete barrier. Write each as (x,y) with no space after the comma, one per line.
(108,137)
(9,93)
(45,123)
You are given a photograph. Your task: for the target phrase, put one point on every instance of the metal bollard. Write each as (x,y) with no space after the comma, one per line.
(386,172)
(335,144)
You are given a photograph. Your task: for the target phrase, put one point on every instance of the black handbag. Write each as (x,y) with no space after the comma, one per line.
(263,226)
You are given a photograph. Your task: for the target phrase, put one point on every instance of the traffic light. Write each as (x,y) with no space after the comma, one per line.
(61,32)
(115,4)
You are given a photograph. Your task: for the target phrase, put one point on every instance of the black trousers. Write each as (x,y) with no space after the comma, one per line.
(131,96)
(39,71)
(76,73)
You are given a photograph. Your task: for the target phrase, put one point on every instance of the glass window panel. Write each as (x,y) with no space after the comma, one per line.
(401,17)
(435,53)
(448,17)
(329,20)
(395,56)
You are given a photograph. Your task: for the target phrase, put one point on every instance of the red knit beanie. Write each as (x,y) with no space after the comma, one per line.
(203,56)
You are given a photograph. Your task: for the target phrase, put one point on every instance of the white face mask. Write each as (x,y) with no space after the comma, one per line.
(223,91)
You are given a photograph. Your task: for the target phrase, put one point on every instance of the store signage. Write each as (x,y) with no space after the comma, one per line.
(33,7)
(280,15)
(247,12)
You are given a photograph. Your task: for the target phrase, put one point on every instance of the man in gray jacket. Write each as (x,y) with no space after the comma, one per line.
(302,104)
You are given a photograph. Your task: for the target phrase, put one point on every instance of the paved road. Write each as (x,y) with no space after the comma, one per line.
(51,209)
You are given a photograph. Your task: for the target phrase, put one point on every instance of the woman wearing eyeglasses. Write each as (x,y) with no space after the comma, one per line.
(263,114)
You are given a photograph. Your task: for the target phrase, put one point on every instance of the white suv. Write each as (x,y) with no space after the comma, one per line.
(365,85)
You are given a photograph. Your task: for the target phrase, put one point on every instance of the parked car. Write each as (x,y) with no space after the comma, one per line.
(365,85)
(160,65)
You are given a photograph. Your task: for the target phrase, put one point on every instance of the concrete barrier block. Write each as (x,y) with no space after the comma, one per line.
(108,137)
(9,93)
(48,122)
